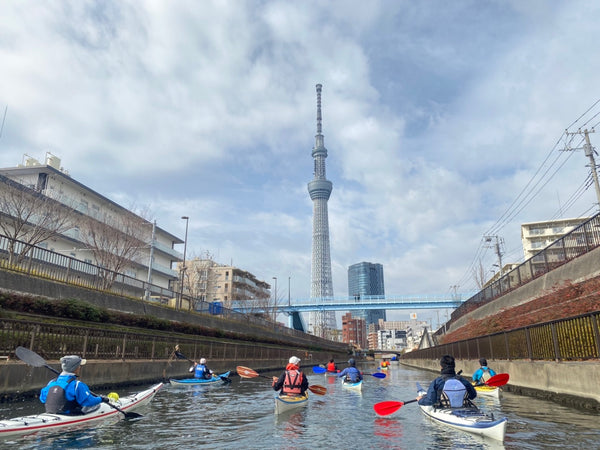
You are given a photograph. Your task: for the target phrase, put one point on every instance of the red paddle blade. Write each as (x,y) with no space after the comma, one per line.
(246,372)
(498,380)
(387,408)
(316,389)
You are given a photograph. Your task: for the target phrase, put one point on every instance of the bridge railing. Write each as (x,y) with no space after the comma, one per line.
(572,339)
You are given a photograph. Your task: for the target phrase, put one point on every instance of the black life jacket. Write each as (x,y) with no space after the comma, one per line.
(56,400)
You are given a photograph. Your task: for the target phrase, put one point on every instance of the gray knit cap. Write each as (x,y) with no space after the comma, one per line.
(70,363)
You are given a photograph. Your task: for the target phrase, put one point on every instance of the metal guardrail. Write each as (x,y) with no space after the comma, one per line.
(572,339)
(53,341)
(577,242)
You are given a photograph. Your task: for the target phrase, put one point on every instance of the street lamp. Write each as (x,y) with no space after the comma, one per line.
(275,301)
(289,291)
(187,219)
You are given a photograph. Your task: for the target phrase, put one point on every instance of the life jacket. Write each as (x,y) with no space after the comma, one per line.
(454,394)
(486,375)
(292,383)
(331,367)
(56,399)
(202,372)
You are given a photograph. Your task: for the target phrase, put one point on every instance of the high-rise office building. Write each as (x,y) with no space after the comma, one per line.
(366,279)
(322,322)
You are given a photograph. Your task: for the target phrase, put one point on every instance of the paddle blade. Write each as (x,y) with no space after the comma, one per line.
(318,369)
(387,408)
(30,357)
(378,375)
(246,372)
(316,389)
(498,380)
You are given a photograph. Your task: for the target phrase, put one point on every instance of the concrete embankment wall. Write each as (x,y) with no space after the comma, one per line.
(582,268)
(24,284)
(570,383)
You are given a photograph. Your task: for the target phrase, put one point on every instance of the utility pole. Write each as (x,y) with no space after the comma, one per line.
(498,247)
(589,152)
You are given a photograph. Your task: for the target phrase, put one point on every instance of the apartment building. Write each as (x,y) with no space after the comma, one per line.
(208,281)
(89,207)
(354,331)
(536,236)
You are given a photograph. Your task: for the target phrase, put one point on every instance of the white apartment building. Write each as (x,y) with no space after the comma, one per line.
(51,180)
(536,236)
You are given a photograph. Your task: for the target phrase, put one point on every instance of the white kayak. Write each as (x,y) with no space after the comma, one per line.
(489,391)
(472,420)
(357,386)
(285,403)
(22,426)
(200,381)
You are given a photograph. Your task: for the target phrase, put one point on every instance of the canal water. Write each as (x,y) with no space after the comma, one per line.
(240,415)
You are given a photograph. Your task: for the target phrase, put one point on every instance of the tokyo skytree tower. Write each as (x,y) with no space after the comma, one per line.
(320,190)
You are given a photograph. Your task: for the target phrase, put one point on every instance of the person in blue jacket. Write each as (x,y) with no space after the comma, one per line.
(482,374)
(201,371)
(351,373)
(66,394)
(449,389)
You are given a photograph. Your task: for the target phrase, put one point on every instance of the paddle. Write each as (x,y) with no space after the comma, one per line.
(33,359)
(387,408)
(498,380)
(319,370)
(182,356)
(246,372)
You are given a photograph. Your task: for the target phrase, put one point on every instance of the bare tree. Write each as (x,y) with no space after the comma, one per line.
(116,241)
(479,275)
(30,217)
(200,278)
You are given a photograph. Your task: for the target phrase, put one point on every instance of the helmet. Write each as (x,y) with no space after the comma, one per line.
(202,360)
(351,362)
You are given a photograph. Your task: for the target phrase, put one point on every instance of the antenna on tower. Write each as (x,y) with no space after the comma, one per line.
(319,87)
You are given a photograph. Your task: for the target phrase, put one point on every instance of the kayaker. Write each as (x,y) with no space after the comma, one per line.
(201,371)
(292,381)
(331,366)
(449,389)
(66,394)
(351,373)
(482,374)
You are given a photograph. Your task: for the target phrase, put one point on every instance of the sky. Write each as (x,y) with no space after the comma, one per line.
(437,117)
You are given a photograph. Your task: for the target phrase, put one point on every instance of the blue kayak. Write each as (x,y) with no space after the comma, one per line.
(201,381)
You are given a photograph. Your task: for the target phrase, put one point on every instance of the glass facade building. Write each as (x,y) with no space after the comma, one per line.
(366,279)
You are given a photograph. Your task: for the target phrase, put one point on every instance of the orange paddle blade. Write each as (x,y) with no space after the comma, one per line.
(246,372)
(498,380)
(316,389)
(387,408)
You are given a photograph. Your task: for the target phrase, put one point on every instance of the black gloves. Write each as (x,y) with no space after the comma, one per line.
(105,399)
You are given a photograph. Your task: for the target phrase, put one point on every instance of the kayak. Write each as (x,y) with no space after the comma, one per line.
(489,391)
(357,386)
(200,381)
(285,403)
(472,420)
(26,425)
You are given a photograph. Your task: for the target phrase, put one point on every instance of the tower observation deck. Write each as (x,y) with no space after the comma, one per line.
(319,190)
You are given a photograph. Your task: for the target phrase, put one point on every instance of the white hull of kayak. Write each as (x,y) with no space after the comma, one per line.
(471,420)
(216,379)
(285,403)
(489,391)
(22,426)
(353,386)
